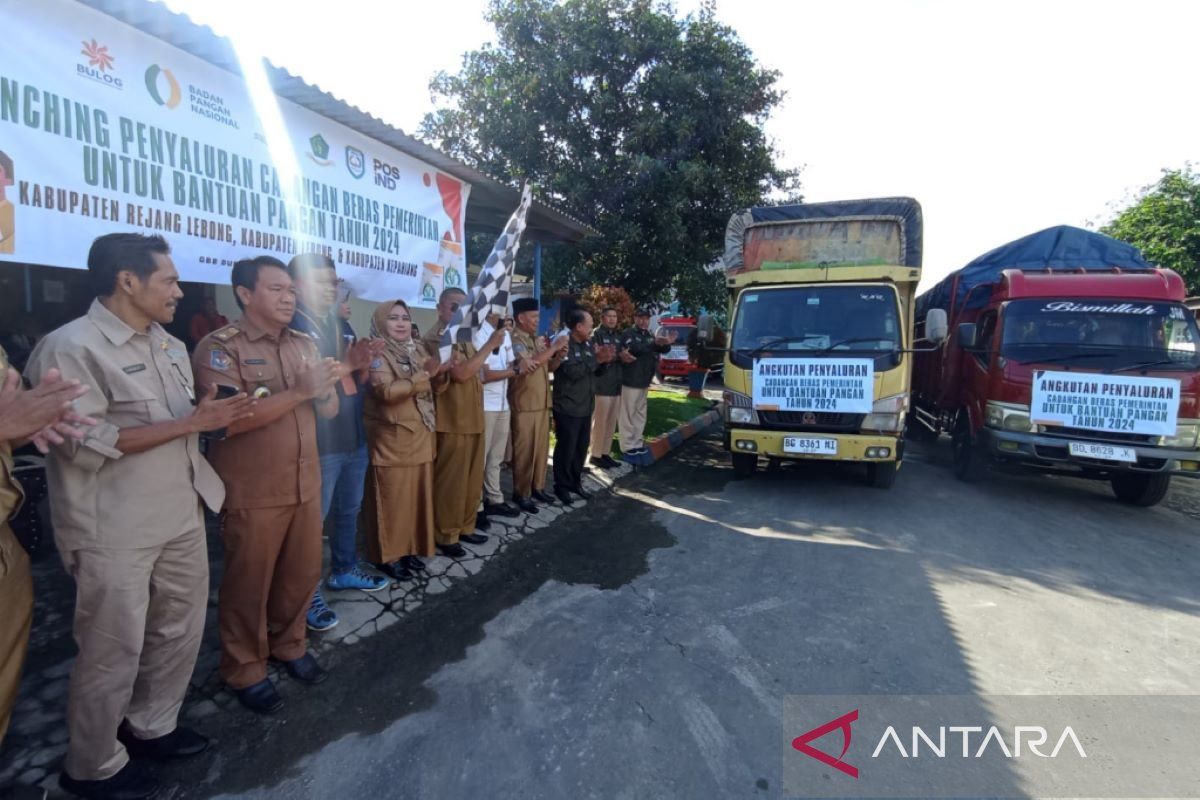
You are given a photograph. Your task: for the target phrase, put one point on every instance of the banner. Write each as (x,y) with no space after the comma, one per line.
(1113,403)
(104,128)
(837,385)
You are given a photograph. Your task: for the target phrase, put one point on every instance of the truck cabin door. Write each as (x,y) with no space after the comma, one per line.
(977,363)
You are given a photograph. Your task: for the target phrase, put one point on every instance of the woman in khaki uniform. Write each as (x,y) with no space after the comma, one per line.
(400,421)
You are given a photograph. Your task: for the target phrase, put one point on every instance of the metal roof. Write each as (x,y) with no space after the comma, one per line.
(491,201)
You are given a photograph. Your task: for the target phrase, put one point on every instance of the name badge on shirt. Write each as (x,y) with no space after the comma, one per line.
(133,369)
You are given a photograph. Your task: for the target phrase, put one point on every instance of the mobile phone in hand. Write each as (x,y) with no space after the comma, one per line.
(223,393)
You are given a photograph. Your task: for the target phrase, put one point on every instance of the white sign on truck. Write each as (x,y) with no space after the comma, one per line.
(836,385)
(1114,403)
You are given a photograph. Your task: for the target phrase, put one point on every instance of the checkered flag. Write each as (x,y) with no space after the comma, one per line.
(489,294)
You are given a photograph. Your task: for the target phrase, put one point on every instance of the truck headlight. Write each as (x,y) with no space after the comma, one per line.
(739,408)
(887,414)
(1009,416)
(1185,436)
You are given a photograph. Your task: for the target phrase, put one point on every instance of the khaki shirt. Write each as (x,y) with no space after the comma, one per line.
(10,489)
(102,497)
(459,405)
(529,392)
(10,493)
(396,432)
(277,464)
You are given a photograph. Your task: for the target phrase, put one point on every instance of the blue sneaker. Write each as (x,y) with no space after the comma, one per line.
(356,579)
(320,616)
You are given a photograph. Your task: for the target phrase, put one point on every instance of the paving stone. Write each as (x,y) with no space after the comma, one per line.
(473,566)
(488,548)
(538,524)
(386,621)
(202,709)
(353,616)
(436,586)
(457,570)
(47,755)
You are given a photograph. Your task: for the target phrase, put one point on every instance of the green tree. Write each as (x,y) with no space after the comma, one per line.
(648,125)
(1164,221)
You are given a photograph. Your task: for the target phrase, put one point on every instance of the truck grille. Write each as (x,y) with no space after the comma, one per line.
(818,421)
(1101,436)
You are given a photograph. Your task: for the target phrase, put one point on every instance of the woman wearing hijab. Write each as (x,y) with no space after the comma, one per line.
(400,422)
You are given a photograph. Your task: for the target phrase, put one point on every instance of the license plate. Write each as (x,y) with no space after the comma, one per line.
(810,445)
(1104,452)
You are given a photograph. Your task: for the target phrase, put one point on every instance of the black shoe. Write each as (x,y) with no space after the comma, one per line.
(395,570)
(306,670)
(597,461)
(542,497)
(179,743)
(261,698)
(584,493)
(413,564)
(608,462)
(563,496)
(526,505)
(452,550)
(481,521)
(501,510)
(473,538)
(130,783)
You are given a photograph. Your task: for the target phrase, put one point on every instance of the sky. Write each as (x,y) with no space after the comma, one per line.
(1000,118)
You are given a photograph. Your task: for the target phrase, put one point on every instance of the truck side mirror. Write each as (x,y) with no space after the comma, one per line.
(936,326)
(704,329)
(967,336)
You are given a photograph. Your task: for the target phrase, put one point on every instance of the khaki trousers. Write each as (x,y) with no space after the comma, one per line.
(604,424)
(531,448)
(272,563)
(633,418)
(139,618)
(16,599)
(457,484)
(495,442)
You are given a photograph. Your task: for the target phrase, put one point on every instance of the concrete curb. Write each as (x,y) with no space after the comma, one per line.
(659,446)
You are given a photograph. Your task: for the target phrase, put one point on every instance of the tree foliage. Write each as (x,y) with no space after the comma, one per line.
(596,298)
(648,125)
(1164,221)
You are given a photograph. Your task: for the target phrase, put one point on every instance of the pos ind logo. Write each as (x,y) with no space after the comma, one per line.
(156,76)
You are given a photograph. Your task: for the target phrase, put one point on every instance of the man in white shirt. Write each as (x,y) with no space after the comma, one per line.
(501,364)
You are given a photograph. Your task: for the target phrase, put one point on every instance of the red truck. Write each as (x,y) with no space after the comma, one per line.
(676,363)
(1068,353)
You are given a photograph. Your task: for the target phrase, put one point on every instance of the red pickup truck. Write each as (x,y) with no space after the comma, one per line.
(1067,353)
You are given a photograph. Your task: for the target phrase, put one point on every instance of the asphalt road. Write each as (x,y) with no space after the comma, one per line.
(644,648)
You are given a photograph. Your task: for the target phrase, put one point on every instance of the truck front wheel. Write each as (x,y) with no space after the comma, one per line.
(882,476)
(969,464)
(744,464)
(1138,489)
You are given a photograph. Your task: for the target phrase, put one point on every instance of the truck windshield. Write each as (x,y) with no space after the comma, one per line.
(1101,334)
(806,320)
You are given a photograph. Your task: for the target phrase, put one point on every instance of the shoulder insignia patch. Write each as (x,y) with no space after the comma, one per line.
(227,333)
(219,359)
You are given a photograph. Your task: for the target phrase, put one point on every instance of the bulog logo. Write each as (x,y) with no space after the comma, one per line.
(156,75)
(100,65)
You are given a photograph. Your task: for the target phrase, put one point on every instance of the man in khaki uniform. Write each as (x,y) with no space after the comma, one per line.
(529,396)
(458,464)
(24,415)
(127,517)
(272,474)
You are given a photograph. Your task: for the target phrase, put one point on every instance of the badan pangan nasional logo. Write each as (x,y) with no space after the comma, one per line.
(162,86)
(356,162)
(100,66)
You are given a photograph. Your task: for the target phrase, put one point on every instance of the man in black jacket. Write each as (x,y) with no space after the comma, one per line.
(608,392)
(574,401)
(640,350)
